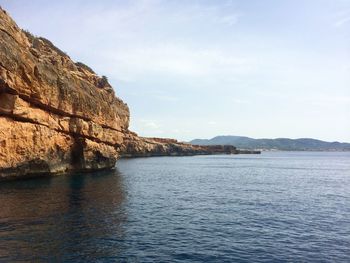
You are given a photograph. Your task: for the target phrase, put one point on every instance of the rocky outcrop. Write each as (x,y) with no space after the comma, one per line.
(135,146)
(58,116)
(55,115)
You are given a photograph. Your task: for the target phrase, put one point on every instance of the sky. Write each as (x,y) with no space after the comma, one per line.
(198,69)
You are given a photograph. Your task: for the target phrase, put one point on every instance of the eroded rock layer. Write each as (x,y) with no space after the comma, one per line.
(55,115)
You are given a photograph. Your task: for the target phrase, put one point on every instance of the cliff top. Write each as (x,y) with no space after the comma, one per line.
(45,75)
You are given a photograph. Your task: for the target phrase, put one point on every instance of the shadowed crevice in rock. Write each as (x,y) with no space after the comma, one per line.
(78,161)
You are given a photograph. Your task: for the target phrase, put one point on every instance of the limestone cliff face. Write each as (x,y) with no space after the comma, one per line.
(58,116)
(55,115)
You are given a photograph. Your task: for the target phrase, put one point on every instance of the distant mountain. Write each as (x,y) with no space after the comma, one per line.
(283,144)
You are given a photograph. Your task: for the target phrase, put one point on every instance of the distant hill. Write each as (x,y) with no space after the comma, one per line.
(282,144)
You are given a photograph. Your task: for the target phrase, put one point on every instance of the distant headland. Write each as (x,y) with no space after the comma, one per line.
(280,144)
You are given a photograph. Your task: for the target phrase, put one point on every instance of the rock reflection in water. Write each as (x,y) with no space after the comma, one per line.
(66,218)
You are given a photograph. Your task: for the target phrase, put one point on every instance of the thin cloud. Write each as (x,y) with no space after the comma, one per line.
(240,101)
(342,17)
(212,123)
(173,60)
(224,14)
(147,127)
(150,124)
(342,21)
(229,20)
(166,98)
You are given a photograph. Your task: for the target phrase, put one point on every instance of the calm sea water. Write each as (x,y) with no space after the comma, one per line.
(274,207)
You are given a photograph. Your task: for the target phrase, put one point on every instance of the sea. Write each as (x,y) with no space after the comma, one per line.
(273,207)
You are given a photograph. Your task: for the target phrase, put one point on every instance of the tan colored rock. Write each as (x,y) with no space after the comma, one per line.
(55,115)
(44,76)
(27,148)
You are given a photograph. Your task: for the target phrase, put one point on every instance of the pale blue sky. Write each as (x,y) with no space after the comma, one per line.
(197,69)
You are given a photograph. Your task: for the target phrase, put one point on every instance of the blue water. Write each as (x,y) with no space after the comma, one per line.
(274,207)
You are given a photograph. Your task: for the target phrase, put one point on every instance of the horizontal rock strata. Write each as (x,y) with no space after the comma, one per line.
(55,115)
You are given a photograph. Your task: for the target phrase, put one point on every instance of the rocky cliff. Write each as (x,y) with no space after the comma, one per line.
(58,116)
(55,115)
(135,146)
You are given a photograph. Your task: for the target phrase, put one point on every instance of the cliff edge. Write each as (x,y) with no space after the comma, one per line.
(58,116)
(55,115)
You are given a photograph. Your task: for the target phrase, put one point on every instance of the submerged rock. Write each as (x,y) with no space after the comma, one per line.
(58,116)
